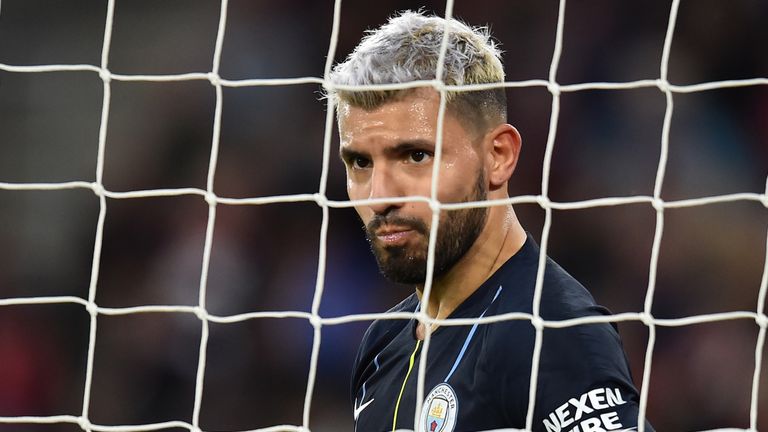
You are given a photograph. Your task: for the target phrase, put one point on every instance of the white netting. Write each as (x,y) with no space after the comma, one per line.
(313,317)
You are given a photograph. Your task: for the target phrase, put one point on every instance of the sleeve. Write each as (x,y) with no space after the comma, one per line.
(363,359)
(354,382)
(584,382)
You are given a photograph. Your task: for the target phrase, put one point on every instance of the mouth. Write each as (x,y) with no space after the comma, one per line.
(394,236)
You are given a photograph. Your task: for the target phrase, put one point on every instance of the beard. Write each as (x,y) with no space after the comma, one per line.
(456,233)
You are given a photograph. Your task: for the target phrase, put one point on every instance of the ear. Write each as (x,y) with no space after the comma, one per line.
(504,145)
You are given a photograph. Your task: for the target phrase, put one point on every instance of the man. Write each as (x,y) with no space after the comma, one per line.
(477,377)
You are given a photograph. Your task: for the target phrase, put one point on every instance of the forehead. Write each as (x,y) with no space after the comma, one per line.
(410,116)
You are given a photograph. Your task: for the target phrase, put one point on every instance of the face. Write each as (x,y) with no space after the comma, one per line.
(388,153)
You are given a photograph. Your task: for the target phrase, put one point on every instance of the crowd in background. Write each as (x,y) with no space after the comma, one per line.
(265,258)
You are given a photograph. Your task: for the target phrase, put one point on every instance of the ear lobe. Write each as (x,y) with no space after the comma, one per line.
(504,153)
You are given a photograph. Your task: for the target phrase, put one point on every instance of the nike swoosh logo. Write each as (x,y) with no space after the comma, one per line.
(360,409)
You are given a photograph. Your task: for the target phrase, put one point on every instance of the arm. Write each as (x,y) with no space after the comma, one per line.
(584,381)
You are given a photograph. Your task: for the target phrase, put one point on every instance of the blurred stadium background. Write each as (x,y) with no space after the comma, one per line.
(265,257)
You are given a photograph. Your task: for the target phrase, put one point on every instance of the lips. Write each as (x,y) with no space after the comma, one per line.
(394,236)
(395,230)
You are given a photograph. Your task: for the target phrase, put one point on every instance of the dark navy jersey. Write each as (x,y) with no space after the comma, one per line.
(478,376)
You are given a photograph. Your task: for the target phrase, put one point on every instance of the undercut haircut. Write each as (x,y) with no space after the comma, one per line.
(407,49)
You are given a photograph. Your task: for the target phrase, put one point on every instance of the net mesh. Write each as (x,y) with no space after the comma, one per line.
(321,199)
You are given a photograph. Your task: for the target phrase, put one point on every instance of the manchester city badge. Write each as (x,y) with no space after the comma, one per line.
(439,411)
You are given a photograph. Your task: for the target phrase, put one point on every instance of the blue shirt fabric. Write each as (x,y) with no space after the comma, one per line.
(478,376)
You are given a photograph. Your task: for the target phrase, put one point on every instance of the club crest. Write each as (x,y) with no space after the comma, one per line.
(439,411)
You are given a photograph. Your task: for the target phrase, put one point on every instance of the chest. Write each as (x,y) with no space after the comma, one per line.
(461,392)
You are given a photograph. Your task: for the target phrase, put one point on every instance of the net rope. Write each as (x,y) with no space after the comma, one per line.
(320,198)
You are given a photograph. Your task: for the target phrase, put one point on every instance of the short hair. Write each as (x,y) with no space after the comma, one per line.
(407,48)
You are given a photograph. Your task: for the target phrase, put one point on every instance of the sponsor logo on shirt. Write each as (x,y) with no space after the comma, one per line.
(439,411)
(579,414)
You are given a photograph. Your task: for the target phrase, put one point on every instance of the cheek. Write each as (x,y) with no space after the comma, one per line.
(458,185)
(458,189)
(355,190)
(349,186)
(365,214)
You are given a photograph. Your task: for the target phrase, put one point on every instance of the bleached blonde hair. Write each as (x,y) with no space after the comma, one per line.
(407,49)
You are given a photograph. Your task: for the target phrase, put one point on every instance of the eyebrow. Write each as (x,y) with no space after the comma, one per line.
(347,154)
(405,146)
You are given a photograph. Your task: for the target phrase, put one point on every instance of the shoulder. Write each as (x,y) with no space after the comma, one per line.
(573,360)
(563,297)
(379,334)
(382,330)
(586,349)
(583,350)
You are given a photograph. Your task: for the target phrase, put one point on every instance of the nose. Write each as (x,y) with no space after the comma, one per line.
(384,184)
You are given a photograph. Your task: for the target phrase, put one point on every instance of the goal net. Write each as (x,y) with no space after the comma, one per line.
(180,254)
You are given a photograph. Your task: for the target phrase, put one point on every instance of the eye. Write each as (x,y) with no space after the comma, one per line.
(360,163)
(418,156)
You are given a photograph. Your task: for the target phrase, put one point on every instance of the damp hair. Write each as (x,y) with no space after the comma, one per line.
(407,49)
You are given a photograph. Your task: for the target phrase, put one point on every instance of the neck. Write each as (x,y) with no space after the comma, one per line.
(499,240)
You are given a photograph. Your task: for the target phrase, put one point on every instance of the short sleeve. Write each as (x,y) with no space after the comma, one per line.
(584,382)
